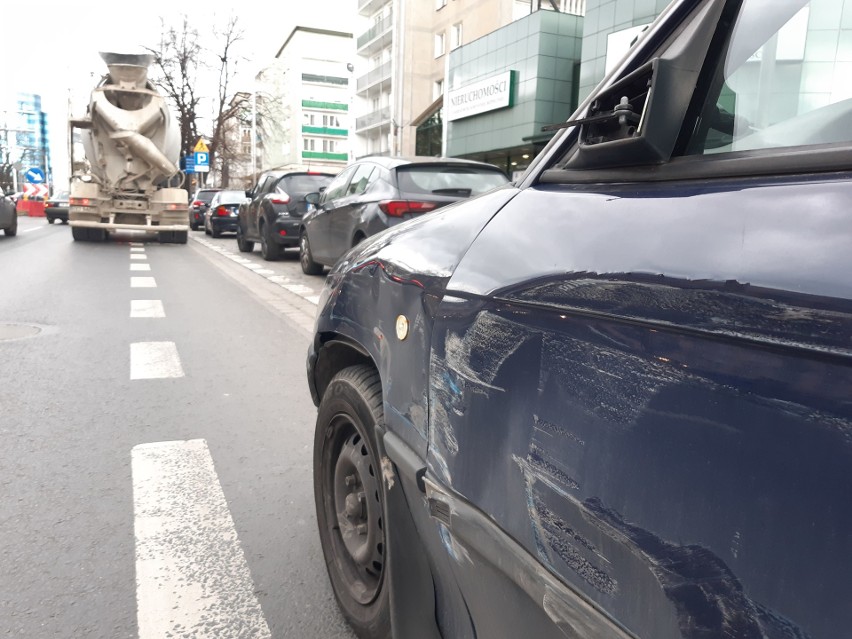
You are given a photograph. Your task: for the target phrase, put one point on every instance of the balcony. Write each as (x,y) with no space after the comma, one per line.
(374,119)
(379,76)
(376,37)
(370,7)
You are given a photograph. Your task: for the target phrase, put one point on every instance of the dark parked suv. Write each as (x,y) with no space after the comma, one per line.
(375,193)
(613,400)
(274,209)
(198,207)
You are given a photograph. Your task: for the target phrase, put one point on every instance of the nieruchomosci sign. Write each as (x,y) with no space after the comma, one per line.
(486,95)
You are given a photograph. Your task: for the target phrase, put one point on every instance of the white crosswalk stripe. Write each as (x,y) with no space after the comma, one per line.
(192,579)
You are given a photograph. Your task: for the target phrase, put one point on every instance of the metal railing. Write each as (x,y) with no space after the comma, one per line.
(372,119)
(376,30)
(375,76)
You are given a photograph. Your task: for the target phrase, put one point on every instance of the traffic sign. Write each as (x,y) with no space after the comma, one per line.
(200,147)
(34,175)
(35,190)
(202,158)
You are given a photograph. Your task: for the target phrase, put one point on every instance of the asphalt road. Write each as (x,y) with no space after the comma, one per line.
(155,469)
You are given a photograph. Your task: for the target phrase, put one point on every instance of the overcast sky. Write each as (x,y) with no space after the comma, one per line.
(51,47)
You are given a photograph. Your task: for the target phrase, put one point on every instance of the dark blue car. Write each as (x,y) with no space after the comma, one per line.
(634,420)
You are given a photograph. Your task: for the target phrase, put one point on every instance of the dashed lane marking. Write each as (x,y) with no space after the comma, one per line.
(138,256)
(147,308)
(154,360)
(137,249)
(139,267)
(192,579)
(142,282)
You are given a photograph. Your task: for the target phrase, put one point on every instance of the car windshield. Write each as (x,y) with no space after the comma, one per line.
(448,180)
(206,196)
(61,195)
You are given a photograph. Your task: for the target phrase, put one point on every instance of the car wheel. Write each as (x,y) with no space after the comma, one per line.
(215,232)
(65,222)
(193,226)
(349,499)
(243,244)
(13,229)
(50,220)
(206,229)
(79,234)
(306,258)
(268,248)
(180,237)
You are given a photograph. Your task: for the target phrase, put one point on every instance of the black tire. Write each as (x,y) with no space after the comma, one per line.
(180,237)
(206,230)
(12,231)
(193,226)
(65,222)
(268,248)
(79,234)
(97,235)
(245,246)
(349,497)
(166,237)
(306,258)
(214,232)
(50,220)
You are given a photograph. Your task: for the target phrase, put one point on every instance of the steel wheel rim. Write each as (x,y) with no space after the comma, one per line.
(354,511)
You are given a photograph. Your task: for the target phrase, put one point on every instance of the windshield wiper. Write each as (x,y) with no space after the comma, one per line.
(462,192)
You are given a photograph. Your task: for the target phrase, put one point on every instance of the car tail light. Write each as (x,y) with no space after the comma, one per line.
(221,211)
(198,203)
(282,232)
(398,208)
(279,198)
(174,207)
(80,201)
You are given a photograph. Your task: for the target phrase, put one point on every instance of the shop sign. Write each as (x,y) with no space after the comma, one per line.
(479,97)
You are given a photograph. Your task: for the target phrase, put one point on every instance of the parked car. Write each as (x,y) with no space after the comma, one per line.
(612,399)
(8,215)
(56,207)
(198,207)
(375,193)
(221,215)
(273,211)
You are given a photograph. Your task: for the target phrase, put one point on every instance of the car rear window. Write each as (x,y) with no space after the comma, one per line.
(301,185)
(232,197)
(206,196)
(462,181)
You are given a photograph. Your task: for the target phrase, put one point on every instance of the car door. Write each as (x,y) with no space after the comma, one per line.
(347,218)
(254,208)
(319,223)
(645,394)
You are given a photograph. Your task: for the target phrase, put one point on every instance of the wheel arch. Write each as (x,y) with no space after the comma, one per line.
(335,353)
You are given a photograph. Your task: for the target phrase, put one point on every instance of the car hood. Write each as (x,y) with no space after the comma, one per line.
(429,247)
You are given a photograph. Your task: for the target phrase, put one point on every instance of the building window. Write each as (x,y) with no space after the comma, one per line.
(439,44)
(456,37)
(438,89)
(329,146)
(309,144)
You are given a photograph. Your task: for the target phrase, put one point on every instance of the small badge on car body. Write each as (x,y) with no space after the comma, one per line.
(401,327)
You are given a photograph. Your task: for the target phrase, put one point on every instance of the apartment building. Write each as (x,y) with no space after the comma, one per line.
(24,141)
(304,100)
(403,62)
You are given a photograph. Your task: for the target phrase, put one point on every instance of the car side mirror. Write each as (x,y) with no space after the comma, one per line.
(249,194)
(312,198)
(637,120)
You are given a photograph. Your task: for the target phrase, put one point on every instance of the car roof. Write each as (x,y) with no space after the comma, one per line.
(280,174)
(392,162)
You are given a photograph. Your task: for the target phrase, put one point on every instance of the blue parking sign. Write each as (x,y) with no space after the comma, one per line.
(202,158)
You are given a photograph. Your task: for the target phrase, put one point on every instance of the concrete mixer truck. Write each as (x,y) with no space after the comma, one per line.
(131,144)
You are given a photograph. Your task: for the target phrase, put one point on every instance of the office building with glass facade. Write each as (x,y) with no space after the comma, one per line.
(23,139)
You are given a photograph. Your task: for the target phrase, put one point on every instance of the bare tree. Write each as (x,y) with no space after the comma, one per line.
(177,60)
